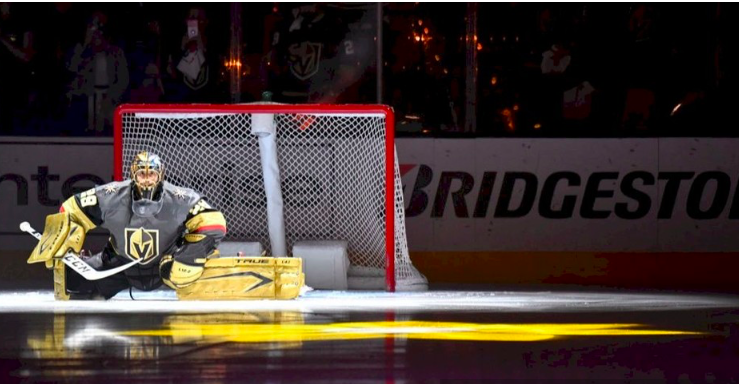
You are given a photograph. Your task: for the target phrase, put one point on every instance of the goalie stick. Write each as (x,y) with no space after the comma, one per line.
(78,265)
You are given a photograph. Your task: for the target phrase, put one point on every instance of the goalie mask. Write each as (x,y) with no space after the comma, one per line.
(147,173)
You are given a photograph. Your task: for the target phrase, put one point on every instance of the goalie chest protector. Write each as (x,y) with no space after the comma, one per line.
(146,238)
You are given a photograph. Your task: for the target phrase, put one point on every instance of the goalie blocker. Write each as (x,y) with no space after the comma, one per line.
(61,235)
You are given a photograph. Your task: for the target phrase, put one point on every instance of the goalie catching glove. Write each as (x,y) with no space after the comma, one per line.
(186,265)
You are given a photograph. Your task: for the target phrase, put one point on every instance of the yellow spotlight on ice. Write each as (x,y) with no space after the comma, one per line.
(419,330)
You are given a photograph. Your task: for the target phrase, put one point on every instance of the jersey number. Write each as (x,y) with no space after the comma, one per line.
(348,47)
(88,198)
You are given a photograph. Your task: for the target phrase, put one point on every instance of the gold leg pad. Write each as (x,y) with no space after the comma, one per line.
(244,278)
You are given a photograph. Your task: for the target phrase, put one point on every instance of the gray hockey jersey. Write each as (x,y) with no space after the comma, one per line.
(148,238)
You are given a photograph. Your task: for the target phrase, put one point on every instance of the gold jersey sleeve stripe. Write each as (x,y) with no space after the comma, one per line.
(206,221)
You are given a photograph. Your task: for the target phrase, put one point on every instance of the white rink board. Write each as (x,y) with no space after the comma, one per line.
(45,166)
(701,155)
(450,230)
(21,159)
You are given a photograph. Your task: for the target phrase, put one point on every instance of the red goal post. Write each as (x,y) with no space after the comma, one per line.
(337,167)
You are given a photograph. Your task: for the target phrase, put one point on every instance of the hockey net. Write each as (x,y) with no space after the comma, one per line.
(338,172)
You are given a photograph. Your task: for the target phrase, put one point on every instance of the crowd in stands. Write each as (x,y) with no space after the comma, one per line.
(448,69)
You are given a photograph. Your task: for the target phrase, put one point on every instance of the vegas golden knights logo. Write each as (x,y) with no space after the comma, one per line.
(142,244)
(304,59)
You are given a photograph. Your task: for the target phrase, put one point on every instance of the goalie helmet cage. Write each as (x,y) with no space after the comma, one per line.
(338,173)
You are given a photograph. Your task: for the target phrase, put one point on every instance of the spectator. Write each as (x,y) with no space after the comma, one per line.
(191,70)
(102,74)
(145,59)
(642,70)
(315,57)
(555,60)
(56,32)
(16,52)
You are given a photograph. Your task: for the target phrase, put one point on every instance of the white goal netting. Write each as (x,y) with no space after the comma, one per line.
(332,173)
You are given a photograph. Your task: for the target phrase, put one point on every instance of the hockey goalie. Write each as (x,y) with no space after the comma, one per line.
(159,234)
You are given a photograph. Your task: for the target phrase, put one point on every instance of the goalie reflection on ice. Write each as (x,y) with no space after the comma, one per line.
(170,230)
